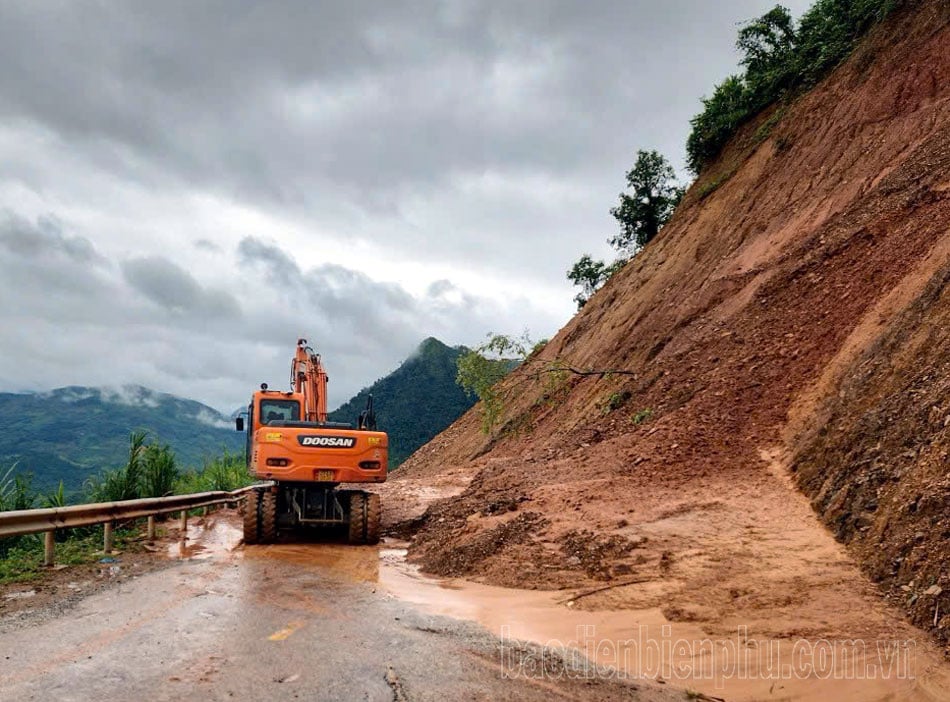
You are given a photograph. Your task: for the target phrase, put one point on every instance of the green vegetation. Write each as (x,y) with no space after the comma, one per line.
(590,276)
(654,196)
(781,60)
(480,369)
(150,471)
(615,401)
(765,129)
(642,416)
(123,483)
(15,490)
(640,214)
(712,185)
(56,498)
(71,434)
(225,472)
(22,560)
(415,402)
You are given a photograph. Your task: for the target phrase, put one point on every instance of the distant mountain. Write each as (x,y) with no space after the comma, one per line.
(414,402)
(74,432)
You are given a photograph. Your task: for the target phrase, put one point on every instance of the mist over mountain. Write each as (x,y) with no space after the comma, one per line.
(73,432)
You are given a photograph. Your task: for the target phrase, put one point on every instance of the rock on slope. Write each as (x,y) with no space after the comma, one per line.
(789,325)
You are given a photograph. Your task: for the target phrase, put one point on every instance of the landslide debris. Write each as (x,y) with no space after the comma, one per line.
(786,329)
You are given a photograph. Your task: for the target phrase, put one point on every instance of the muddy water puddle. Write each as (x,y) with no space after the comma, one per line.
(207,538)
(643,643)
(632,643)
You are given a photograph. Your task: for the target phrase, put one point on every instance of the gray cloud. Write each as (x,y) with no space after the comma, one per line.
(147,320)
(207,245)
(187,187)
(352,309)
(279,265)
(175,289)
(370,97)
(26,239)
(439,288)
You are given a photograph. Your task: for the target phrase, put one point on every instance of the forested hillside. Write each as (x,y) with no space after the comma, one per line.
(72,433)
(416,401)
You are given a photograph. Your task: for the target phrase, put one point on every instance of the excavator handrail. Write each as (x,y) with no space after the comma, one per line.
(297,424)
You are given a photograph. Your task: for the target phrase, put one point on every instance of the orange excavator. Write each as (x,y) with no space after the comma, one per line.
(306,458)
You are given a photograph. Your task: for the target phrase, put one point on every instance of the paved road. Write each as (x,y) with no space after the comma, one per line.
(277,623)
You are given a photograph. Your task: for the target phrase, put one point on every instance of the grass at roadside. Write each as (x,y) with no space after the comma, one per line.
(23,561)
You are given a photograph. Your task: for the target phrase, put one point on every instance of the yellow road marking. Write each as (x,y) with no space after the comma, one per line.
(285,632)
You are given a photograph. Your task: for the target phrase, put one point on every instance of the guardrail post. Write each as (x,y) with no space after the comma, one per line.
(107,537)
(150,531)
(205,510)
(49,547)
(183,532)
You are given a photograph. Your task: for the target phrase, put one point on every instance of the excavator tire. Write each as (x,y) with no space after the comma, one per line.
(252,520)
(373,513)
(357,523)
(268,517)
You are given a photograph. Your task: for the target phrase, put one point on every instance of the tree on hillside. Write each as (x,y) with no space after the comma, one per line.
(654,196)
(590,275)
(767,44)
(721,116)
(781,60)
(481,370)
(642,213)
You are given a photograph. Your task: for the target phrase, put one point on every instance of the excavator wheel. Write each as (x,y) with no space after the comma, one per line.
(268,517)
(373,513)
(252,520)
(357,523)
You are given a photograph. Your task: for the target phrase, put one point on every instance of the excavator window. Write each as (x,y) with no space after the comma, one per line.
(279,411)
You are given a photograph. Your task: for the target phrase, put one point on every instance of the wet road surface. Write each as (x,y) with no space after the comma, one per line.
(302,622)
(319,621)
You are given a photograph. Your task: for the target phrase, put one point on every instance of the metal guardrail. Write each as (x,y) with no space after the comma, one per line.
(47,521)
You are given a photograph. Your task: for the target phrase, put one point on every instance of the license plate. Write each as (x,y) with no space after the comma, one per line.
(324,476)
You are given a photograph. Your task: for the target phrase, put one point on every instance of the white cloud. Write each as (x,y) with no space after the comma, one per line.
(213,420)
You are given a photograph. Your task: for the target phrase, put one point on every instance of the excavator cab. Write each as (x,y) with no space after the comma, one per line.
(280,411)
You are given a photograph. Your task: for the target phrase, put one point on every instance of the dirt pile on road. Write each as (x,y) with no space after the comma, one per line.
(788,327)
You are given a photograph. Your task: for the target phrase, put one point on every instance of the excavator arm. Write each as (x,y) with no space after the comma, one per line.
(308,378)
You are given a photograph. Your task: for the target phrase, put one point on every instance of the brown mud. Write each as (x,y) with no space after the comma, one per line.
(786,339)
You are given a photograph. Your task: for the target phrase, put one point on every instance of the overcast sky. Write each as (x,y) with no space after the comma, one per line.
(186,187)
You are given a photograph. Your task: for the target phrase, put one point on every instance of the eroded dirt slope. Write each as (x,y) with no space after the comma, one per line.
(790,324)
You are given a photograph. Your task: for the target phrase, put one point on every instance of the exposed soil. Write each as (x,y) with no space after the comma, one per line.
(789,326)
(879,473)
